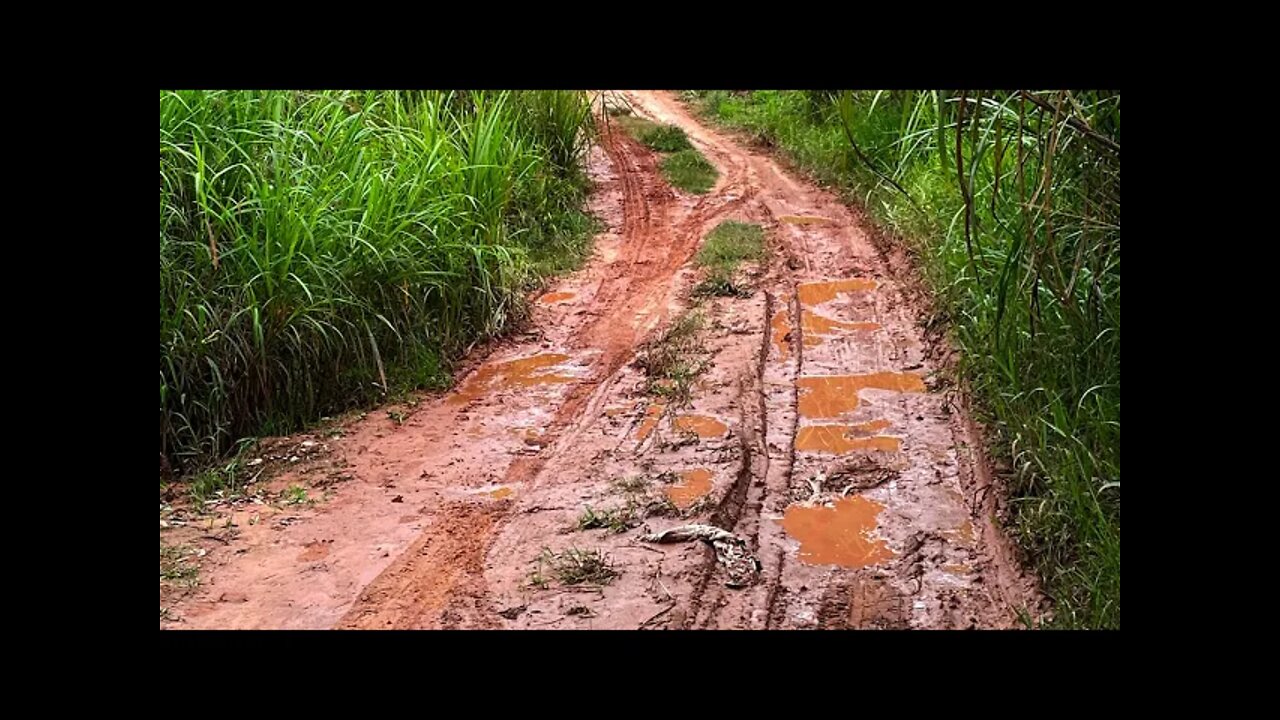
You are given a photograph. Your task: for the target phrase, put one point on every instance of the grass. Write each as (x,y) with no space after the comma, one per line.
(321,250)
(675,359)
(572,567)
(175,568)
(689,171)
(663,138)
(1018,234)
(683,166)
(667,138)
(639,502)
(222,481)
(295,495)
(615,520)
(724,250)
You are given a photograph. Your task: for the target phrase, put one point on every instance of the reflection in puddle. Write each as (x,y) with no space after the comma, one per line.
(556,297)
(695,485)
(818,328)
(650,421)
(702,425)
(781,325)
(840,439)
(839,535)
(965,532)
(816,293)
(518,373)
(833,395)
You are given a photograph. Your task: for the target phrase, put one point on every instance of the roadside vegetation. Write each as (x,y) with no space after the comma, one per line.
(320,250)
(1010,201)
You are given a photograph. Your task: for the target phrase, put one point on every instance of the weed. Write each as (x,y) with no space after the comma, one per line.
(724,250)
(674,360)
(176,567)
(216,482)
(616,520)
(295,495)
(666,138)
(573,567)
(690,171)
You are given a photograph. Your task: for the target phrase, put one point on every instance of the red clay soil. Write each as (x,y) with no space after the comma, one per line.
(849,487)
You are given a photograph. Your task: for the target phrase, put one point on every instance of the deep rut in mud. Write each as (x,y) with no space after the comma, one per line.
(830,486)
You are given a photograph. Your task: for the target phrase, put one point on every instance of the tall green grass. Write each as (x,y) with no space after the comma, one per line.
(318,249)
(1012,201)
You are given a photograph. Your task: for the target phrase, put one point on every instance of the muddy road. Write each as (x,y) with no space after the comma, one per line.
(816,478)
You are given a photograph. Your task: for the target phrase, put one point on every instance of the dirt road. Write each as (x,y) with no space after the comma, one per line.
(845,484)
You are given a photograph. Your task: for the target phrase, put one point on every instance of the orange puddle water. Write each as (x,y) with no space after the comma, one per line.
(816,293)
(702,425)
(502,492)
(805,219)
(818,328)
(833,395)
(781,325)
(650,420)
(518,373)
(840,439)
(697,483)
(840,535)
(555,297)
(965,532)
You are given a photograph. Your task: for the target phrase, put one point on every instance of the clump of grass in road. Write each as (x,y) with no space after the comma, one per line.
(572,567)
(683,167)
(615,520)
(724,250)
(296,495)
(675,359)
(666,138)
(176,567)
(639,501)
(223,481)
(1019,237)
(637,127)
(690,171)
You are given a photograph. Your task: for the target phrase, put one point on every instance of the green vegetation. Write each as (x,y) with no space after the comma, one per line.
(640,500)
(667,138)
(616,519)
(1011,201)
(689,171)
(319,250)
(663,138)
(672,361)
(177,567)
(724,249)
(572,567)
(217,482)
(684,167)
